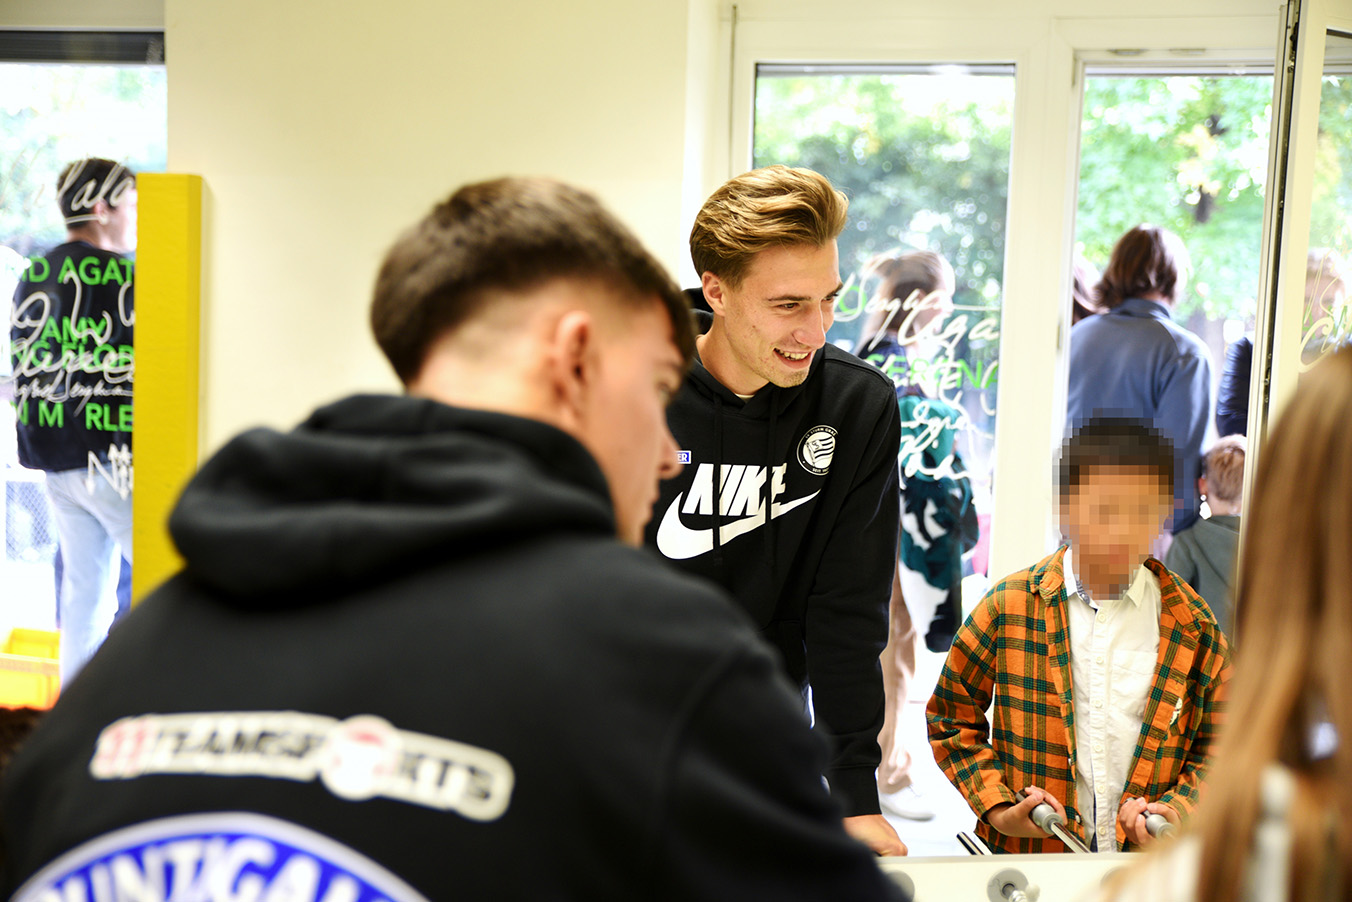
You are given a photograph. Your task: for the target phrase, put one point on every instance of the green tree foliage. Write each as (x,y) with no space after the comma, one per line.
(923,159)
(1331,218)
(1188,154)
(925,162)
(50,115)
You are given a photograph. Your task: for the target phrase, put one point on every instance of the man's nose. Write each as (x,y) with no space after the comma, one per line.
(669,466)
(812,331)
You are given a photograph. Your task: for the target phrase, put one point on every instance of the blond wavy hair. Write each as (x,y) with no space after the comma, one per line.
(775,206)
(1223,468)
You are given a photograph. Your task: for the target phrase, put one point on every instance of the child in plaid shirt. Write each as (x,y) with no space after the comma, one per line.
(1103,672)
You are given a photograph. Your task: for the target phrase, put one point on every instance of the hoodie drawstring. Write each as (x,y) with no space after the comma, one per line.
(766,489)
(718,482)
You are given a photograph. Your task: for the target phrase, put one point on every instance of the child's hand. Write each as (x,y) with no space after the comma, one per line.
(1014,820)
(1132,818)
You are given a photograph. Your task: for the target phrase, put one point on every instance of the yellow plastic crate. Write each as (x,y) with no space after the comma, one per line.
(32,643)
(29,675)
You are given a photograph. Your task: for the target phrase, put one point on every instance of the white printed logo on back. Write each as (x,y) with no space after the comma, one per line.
(230,855)
(816,449)
(362,757)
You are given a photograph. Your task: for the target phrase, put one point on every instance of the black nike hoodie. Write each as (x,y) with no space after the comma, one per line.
(816,575)
(394,591)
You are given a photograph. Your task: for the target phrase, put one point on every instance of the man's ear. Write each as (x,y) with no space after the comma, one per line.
(715,292)
(568,364)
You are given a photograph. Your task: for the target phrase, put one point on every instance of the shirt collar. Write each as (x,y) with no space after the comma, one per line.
(1134,592)
(1142,307)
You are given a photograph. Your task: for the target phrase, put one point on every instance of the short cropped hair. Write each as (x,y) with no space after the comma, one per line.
(1116,442)
(83,182)
(512,235)
(771,207)
(1146,260)
(1223,467)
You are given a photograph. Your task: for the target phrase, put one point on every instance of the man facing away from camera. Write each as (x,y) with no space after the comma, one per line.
(408,659)
(71,332)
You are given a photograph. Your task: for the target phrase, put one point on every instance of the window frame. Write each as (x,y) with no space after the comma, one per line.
(1049,54)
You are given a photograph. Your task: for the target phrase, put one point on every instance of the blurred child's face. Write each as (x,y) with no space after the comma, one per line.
(1114,517)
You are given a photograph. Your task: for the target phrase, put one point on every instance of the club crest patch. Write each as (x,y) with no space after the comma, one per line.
(816,449)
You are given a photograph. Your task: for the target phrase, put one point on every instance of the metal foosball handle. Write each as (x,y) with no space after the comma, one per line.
(1158,826)
(1052,824)
(973,844)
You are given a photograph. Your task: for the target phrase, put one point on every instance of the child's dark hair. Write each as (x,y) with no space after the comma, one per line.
(84,182)
(1115,442)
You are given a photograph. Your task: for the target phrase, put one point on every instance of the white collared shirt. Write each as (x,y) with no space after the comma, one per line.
(1113,647)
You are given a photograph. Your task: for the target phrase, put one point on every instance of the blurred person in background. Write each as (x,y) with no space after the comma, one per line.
(1135,361)
(71,337)
(1204,553)
(913,296)
(1083,279)
(1325,327)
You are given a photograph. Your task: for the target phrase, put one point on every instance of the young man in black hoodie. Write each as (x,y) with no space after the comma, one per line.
(789,497)
(407,658)
(71,342)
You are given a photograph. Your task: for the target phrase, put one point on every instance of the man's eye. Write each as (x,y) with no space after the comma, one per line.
(788,306)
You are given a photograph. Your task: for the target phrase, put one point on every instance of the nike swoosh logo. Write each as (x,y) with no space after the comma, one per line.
(679,542)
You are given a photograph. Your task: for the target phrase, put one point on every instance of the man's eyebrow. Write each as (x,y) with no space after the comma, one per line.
(802,298)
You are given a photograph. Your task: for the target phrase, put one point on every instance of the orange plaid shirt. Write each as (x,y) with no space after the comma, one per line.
(1013,657)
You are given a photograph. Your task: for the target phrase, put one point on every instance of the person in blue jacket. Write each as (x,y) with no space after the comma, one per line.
(1135,361)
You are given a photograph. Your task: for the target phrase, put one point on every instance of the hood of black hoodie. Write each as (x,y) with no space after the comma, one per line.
(372,487)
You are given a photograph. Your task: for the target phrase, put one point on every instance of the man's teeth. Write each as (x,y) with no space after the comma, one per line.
(794,356)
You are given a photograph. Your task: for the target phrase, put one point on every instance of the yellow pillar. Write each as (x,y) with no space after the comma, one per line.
(168,294)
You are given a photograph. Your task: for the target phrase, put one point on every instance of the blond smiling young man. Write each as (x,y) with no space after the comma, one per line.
(789,496)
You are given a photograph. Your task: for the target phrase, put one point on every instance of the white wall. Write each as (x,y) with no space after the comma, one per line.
(323,130)
(56,14)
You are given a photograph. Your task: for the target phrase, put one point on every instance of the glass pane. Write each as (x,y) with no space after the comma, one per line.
(1188,154)
(923,154)
(1328,316)
(51,115)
